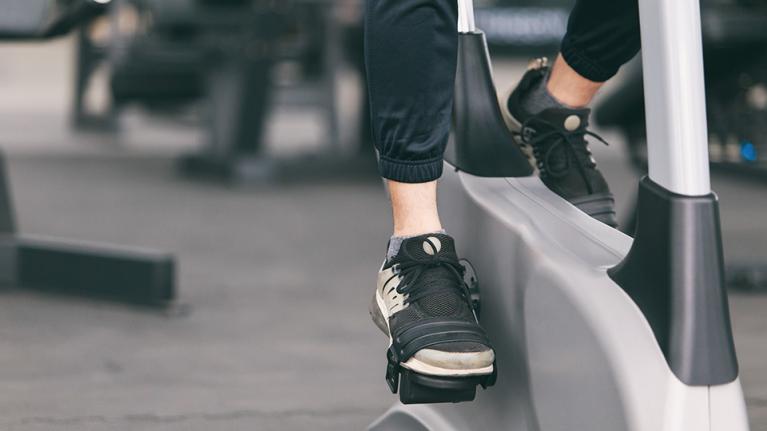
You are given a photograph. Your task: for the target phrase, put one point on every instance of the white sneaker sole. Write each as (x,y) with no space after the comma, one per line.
(378,313)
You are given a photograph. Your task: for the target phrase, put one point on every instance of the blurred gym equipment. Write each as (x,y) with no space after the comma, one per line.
(736,77)
(735,47)
(63,266)
(33,19)
(592,331)
(523,27)
(227,56)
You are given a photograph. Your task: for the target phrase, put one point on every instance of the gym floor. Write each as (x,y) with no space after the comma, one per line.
(272,331)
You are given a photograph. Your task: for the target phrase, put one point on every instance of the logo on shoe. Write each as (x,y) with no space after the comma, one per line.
(572,123)
(432,245)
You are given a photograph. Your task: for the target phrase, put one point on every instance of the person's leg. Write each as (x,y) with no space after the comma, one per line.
(410,50)
(414,211)
(410,55)
(548,109)
(414,207)
(602,35)
(568,87)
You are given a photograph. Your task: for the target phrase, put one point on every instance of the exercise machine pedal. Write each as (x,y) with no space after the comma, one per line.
(416,388)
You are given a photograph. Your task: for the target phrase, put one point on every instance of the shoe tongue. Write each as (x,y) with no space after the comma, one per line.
(425,246)
(569,119)
(440,301)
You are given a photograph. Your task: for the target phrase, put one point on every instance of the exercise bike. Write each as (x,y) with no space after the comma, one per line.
(592,331)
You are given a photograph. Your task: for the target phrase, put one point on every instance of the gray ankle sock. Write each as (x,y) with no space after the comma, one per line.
(538,98)
(396,242)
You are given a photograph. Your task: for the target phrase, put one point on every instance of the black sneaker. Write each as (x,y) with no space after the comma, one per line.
(424,306)
(556,138)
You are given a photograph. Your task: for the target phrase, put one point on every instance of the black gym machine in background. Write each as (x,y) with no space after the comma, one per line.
(65,266)
(523,27)
(226,58)
(735,50)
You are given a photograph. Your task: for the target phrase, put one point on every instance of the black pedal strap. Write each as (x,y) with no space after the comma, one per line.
(409,340)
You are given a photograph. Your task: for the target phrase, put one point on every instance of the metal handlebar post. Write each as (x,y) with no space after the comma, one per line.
(466,17)
(672,56)
(675,100)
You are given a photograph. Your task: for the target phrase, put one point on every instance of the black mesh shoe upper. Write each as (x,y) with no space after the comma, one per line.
(557,140)
(562,155)
(432,278)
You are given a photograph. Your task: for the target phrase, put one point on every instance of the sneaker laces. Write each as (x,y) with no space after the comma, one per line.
(572,142)
(415,267)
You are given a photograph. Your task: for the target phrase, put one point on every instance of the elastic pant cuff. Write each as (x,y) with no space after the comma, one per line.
(410,171)
(582,64)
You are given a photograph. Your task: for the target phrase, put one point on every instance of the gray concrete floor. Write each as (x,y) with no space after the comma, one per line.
(276,280)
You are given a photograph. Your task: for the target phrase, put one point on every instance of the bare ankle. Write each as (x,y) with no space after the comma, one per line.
(570,88)
(414,208)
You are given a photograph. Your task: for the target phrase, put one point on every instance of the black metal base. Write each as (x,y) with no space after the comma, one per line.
(90,270)
(129,275)
(417,388)
(742,276)
(675,274)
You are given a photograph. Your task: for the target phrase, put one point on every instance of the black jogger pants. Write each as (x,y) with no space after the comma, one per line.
(410,56)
